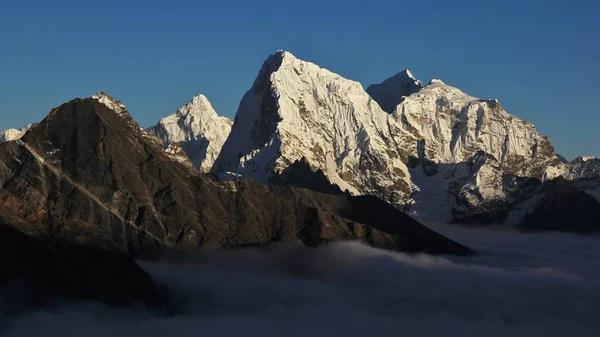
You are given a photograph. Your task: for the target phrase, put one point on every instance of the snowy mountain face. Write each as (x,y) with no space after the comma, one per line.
(435,151)
(394,90)
(462,149)
(197,130)
(453,126)
(14,134)
(457,191)
(296,111)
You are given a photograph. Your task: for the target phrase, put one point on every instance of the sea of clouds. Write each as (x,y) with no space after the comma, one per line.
(519,285)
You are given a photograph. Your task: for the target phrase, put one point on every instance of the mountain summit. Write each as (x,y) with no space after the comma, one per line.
(197,129)
(393,90)
(296,110)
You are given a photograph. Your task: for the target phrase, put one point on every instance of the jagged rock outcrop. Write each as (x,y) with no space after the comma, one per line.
(197,130)
(296,110)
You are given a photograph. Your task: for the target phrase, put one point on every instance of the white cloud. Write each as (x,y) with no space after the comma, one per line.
(522,285)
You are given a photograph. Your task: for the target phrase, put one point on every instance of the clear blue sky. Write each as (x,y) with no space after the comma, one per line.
(541,58)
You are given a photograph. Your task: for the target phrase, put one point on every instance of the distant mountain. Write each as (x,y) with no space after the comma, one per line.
(14,134)
(431,150)
(197,130)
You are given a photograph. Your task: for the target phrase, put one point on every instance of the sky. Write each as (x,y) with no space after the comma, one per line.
(538,57)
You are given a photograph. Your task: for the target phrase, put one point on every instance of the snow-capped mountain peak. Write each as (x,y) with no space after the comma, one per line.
(454,126)
(296,111)
(436,81)
(392,91)
(198,129)
(14,134)
(110,102)
(446,128)
(199,106)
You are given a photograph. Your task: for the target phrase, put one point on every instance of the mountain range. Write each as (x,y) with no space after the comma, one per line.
(87,190)
(431,150)
(311,157)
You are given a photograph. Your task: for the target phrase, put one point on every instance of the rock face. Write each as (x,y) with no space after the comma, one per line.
(297,110)
(197,130)
(14,134)
(84,176)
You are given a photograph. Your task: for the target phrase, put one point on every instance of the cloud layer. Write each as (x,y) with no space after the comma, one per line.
(522,285)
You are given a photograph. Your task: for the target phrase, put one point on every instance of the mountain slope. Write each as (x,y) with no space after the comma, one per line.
(85,176)
(296,110)
(197,129)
